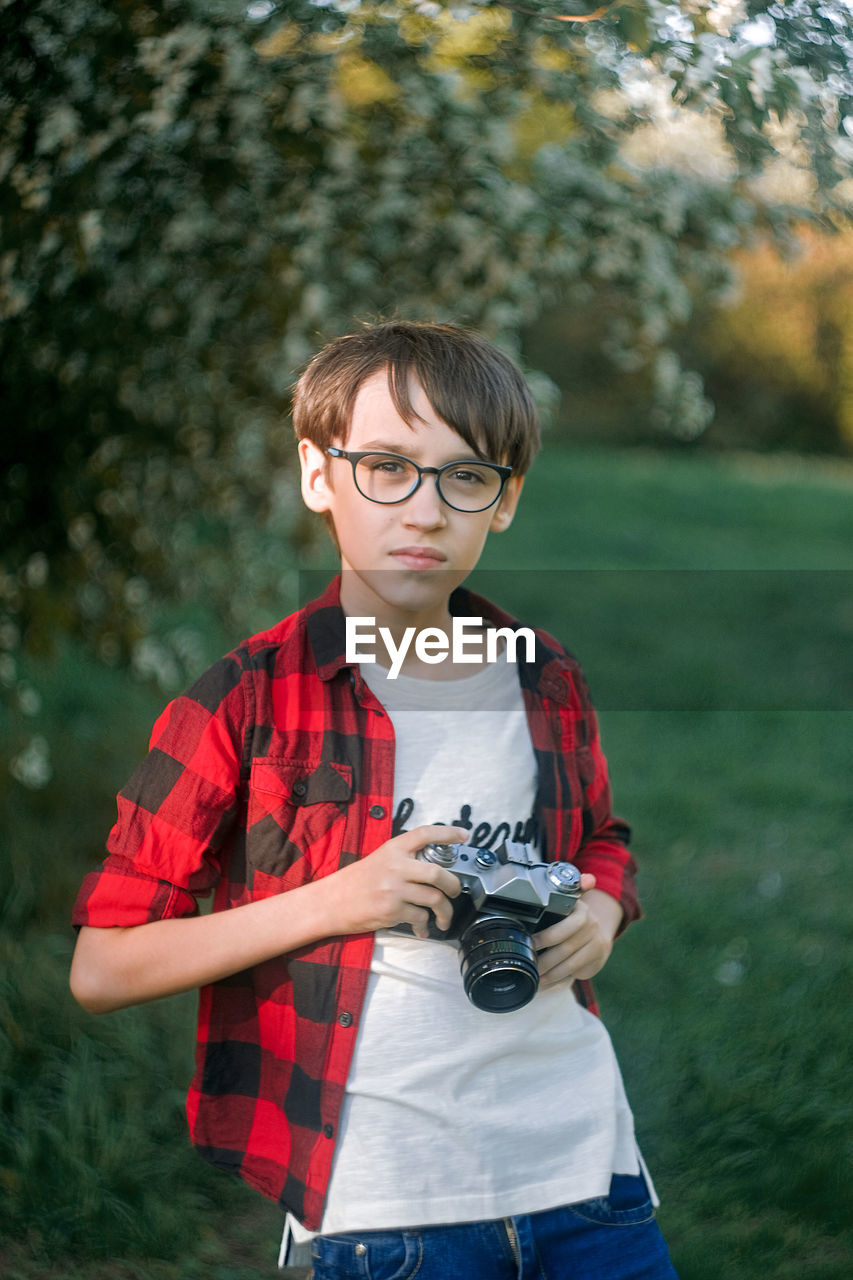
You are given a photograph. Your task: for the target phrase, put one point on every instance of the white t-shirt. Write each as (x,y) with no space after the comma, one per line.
(453,1113)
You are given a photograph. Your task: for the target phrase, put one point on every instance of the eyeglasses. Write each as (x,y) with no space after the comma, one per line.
(466,485)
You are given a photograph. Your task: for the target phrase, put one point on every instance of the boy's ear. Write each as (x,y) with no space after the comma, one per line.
(505,509)
(315,479)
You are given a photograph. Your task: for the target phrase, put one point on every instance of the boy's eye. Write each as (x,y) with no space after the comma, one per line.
(464,475)
(387,466)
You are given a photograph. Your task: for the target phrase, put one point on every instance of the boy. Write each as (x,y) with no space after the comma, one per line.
(341,1069)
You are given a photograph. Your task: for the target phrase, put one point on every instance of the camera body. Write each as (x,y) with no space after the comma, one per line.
(506,895)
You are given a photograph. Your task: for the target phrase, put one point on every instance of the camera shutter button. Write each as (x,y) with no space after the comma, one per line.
(443,855)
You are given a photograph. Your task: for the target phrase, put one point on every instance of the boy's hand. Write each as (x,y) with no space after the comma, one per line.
(579,945)
(391,886)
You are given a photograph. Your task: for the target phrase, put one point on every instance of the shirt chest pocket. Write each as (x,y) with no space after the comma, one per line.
(296,820)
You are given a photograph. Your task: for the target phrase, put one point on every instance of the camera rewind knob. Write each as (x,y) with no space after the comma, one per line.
(565,877)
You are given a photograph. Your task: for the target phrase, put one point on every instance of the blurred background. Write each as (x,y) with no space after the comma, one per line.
(648,205)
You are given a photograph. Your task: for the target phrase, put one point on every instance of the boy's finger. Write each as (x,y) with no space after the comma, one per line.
(418,918)
(418,837)
(435,902)
(557,933)
(439,877)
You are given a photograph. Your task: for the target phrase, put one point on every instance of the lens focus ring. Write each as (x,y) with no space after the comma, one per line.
(499,969)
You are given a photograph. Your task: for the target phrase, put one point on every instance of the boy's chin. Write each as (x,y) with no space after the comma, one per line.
(406,590)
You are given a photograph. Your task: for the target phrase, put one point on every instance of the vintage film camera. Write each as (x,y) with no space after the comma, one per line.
(506,896)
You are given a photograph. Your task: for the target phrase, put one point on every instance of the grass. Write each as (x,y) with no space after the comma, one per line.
(728,1004)
(94,1165)
(639,509)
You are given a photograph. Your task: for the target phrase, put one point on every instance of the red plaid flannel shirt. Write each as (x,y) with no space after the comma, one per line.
(275,768)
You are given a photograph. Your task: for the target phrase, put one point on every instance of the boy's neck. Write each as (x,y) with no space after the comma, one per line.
(397,610)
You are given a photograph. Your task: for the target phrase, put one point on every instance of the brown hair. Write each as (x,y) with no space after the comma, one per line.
(471,385)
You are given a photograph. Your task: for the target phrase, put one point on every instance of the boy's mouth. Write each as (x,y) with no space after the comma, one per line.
(419,557)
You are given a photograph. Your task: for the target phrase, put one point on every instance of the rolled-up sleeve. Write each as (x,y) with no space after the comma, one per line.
(177,812)
(604,849)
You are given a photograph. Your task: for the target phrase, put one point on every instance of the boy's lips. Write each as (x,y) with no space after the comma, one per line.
(419,557)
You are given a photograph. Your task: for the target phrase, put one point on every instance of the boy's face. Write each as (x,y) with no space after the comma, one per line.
(400,561)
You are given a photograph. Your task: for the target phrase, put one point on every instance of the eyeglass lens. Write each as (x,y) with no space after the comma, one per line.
(467,486)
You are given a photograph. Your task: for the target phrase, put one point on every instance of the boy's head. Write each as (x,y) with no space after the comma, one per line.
(413,442)
(471,385)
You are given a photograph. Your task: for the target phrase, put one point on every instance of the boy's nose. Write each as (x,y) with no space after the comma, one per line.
(425,507)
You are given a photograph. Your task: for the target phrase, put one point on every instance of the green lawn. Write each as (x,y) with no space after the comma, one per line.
(583,509)
(709,600)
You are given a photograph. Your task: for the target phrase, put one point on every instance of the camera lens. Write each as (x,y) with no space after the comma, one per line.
(499,970)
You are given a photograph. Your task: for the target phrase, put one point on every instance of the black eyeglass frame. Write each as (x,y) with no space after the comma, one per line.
(503,472)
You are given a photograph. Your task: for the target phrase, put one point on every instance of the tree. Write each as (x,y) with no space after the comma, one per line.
(193,195)
(779,361)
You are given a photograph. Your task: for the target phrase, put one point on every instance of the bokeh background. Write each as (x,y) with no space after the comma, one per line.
(648,204)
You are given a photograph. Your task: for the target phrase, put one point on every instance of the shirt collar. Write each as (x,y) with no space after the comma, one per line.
(326,631)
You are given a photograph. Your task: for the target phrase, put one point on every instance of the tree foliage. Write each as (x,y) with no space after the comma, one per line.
(787,370)
(193,195)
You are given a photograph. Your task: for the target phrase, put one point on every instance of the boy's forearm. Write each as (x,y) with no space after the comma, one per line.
(116,967)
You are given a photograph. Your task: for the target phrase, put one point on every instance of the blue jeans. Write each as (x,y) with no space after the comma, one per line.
(614,1237)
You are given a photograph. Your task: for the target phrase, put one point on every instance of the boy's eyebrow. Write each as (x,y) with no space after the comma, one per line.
(382,446)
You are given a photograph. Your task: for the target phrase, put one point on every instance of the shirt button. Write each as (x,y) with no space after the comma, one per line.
(345,1019)
(328,1130)
(300,788)
(376,811)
